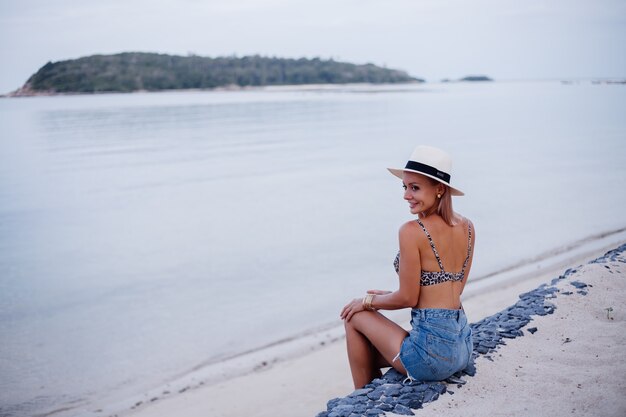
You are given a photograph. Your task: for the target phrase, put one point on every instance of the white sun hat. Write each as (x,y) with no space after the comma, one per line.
(431,162)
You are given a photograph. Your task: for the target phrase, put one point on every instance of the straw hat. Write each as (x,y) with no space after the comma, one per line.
(431,162)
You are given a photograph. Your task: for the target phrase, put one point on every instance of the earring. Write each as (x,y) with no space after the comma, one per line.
(438,195)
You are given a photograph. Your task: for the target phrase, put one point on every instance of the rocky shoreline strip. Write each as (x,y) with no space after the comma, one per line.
(390,394)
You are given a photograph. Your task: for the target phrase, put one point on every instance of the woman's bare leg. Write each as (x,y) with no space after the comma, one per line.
(370,335)
(360,356)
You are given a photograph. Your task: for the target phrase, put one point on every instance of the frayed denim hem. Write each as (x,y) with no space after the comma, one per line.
(408,376)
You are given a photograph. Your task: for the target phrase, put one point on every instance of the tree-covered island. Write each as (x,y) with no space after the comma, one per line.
(476,78)
(469,78)
(138,71)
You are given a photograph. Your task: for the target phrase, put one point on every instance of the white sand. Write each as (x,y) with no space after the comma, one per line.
(534,375)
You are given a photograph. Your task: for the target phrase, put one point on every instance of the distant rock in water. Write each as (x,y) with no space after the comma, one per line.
(137,71)
(476,78)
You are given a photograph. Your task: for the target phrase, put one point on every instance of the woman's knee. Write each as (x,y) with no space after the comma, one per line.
(351,324)
(358,320)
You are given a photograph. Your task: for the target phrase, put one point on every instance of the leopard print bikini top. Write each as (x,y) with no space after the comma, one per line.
(437,277)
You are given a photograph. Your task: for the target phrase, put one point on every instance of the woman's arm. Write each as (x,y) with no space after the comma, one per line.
(410,269)
(469,263)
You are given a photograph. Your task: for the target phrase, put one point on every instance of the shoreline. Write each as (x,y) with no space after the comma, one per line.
(317,87)
(226,88)
(487,297)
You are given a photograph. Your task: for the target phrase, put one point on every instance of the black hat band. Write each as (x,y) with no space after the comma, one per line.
(427,169)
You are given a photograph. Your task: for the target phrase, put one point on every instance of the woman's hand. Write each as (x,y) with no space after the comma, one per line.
(379,292)
(351,308)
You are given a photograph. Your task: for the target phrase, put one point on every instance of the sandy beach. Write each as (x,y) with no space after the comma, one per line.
(574,365)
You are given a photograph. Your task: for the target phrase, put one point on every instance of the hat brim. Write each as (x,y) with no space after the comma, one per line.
(398,173)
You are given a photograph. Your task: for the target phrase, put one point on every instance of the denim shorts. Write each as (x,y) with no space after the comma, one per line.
(438,345)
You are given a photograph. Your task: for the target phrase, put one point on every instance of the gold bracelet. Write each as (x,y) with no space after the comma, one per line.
(367,302)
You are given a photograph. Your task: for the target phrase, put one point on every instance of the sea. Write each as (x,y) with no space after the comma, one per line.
(144,236)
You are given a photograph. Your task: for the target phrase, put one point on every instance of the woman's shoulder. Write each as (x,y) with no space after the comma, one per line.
(467,225)
(460,220)
(410,230)
(411,236)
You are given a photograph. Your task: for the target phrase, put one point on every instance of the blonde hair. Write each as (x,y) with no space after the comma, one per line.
(444,207)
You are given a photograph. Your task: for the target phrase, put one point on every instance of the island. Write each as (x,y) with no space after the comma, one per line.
(476,78)
(469,78)
(141,71)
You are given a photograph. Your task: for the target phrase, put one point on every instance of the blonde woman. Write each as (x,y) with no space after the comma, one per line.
(433,264)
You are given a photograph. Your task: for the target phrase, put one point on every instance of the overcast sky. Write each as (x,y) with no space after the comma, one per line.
(433,39)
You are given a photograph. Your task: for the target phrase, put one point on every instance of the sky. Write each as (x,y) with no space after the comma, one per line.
(431,39)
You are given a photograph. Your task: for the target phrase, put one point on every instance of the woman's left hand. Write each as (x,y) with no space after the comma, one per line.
(351,308)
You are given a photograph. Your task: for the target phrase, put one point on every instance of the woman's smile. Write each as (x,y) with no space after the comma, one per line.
(419,192)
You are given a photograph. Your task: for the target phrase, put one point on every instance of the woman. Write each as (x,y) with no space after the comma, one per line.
(438,242)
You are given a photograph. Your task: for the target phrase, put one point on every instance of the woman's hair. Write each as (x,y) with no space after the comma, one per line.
(444,209)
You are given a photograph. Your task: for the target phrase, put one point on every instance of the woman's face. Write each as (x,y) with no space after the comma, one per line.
(419,192)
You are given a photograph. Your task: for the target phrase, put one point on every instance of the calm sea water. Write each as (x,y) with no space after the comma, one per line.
(144,234)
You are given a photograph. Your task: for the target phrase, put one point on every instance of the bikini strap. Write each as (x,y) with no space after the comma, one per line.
(432,244)
(469,245)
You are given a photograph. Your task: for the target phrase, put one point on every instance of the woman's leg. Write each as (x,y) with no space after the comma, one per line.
(370,335)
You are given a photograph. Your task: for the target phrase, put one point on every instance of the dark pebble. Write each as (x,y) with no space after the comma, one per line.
(393,390)
(388,400)
(430,396)
(393,376)
(378,381)
(482,349)
(410,396)
(332,403)
(343,410)
(385,407)
(349,401)
(361,391)
(455,380)
(375,395)
(419,386)
(403,410)
(440,388)
(532,330)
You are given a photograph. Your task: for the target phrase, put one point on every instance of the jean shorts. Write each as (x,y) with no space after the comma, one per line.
(438,345)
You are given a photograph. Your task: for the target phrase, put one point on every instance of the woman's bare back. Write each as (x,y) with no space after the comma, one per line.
(451,243)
